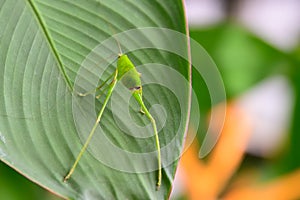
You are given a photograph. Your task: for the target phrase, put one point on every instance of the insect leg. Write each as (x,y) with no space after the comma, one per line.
(138,96)
(110,90)
(142,111)
(97,88)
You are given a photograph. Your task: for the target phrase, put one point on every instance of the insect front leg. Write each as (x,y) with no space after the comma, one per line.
(97,88)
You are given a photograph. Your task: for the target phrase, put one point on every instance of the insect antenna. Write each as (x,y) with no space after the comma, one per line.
(117,41)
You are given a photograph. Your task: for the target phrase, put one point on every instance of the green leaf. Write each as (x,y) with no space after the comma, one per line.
(49,47)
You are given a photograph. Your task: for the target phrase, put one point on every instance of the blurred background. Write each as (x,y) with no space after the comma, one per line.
(256,47)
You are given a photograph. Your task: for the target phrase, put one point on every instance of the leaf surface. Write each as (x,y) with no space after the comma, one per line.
(45,48)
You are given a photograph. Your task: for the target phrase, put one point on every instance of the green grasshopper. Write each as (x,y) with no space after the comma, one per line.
(130,77)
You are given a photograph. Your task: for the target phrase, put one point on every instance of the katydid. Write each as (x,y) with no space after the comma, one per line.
(130,77)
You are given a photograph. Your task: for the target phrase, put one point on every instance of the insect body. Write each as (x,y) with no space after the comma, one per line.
(130,77)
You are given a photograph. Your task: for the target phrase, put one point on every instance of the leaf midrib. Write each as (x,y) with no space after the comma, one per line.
(50,43)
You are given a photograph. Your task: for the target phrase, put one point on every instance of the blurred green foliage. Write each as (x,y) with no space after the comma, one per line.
(14,186)
(242,58)
(291,158)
